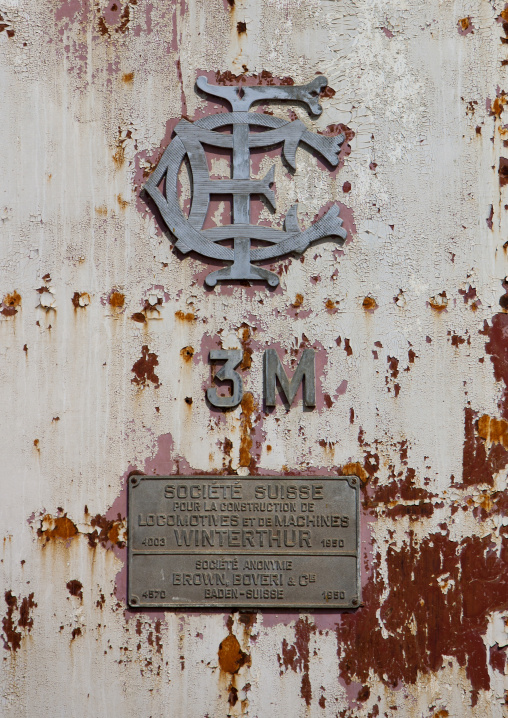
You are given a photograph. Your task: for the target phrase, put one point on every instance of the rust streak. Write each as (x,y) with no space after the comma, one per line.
(99,530)
(144,368)
(353,469)
(187,353)
(185,317)
(231,656)
(116,299)
(54,528)
(75,588)
(369,304)
(248,407)
(494,431)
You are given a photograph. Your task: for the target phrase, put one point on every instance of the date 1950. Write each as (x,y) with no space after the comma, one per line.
(334,595)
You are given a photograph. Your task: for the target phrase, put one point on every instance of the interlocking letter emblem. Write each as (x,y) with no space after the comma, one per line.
(189,141)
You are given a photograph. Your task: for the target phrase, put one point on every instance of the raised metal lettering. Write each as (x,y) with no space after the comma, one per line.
(257,541)
(232,357)
(305,372)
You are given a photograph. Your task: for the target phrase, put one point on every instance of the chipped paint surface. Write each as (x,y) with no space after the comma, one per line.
(106,329)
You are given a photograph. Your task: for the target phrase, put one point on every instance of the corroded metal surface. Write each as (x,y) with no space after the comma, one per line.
(252,542)
(106,329)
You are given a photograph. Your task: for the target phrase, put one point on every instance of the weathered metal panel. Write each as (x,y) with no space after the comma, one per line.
(106,330)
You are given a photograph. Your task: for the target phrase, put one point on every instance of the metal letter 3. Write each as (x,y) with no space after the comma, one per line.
(232,357)
(189,141)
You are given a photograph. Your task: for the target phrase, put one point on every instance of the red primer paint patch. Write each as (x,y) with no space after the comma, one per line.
(342,388)
(11,636)
(440,595)
(68,9)
(497,658)
(297,656)
(401,498)
(144,368)
(345,150)
(503,171)
(497,347)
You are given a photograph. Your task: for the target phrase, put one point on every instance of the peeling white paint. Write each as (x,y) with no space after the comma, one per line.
(78,140)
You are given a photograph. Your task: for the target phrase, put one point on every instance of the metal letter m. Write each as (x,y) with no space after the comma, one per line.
(273,370)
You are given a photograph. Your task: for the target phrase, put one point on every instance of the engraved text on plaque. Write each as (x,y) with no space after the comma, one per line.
(200,541)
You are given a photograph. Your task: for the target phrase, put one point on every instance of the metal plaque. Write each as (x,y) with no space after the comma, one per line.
(279,542)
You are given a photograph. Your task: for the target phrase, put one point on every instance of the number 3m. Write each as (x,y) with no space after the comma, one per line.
(273,371)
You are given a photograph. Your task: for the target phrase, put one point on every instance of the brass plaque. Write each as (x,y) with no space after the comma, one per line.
(276,542)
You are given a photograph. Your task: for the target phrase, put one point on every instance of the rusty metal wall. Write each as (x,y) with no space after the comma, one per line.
(105,331)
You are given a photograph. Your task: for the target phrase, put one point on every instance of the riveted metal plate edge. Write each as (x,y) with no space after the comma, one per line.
(232,599)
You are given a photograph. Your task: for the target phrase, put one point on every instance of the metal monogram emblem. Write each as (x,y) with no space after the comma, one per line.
(189,142)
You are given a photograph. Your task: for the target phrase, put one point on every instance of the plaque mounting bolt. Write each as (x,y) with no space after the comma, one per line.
(353,481)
